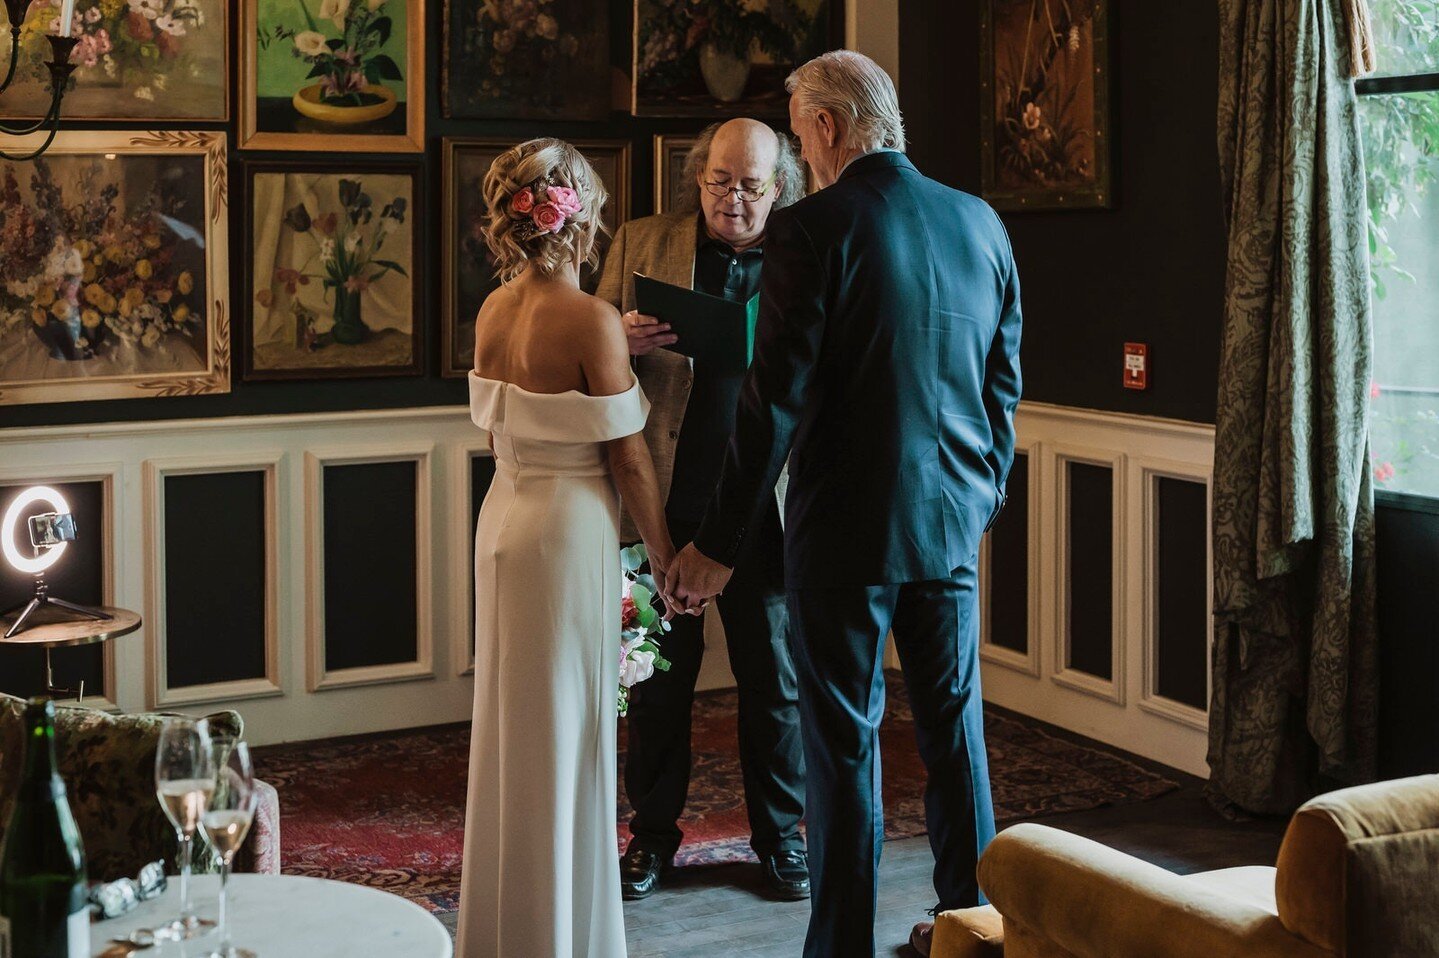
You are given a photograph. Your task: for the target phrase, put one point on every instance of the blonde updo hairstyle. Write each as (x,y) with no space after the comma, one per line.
(511,236)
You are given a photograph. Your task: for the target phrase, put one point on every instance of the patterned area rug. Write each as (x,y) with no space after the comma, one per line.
(388,810)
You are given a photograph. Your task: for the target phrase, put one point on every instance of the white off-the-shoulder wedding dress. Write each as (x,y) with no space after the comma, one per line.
(541,870)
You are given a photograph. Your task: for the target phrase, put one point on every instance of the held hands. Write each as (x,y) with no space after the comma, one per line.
(646,333)
(662,568)
(694,579)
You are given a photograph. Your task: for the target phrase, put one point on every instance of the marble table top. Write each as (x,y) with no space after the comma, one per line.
(284,916)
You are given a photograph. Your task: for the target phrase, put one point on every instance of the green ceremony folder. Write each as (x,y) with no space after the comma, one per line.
(714,331)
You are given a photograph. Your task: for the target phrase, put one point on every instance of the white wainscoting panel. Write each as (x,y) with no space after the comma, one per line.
(136,455)
(301,702)
(15,472)
(1124,712)
(158,693)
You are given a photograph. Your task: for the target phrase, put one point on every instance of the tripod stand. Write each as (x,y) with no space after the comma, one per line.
(40,598)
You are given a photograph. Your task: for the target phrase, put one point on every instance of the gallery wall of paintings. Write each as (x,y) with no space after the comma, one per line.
(268,206)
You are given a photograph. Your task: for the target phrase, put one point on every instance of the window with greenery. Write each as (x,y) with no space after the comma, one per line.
(1399,118)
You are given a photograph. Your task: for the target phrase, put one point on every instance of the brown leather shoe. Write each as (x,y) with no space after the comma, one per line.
(922,937)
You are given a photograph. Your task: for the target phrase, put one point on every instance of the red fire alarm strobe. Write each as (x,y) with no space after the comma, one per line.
(1136,365)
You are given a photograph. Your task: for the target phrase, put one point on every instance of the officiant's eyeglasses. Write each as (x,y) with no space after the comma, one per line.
(747,196)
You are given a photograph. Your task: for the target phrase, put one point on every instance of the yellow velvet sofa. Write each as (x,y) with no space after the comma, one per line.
(1357,877)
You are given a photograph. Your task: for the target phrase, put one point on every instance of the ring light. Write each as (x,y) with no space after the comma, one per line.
(50,556)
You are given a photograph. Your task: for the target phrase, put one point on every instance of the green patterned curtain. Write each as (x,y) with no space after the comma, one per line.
(1294,666)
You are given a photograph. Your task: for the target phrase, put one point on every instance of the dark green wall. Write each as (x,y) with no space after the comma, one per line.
(429,389)
(1149,270)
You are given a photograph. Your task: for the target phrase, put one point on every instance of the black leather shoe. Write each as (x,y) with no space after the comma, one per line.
(786,875)
(639,873)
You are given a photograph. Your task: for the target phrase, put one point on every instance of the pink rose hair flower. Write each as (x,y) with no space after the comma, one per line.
(548,218)
(523,201)
(565,198)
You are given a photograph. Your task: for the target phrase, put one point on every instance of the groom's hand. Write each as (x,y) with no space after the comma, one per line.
(695,578)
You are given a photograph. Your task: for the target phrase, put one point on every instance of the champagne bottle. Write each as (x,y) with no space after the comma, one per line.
(43,907)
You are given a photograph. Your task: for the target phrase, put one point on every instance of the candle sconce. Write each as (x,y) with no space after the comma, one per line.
(61,47)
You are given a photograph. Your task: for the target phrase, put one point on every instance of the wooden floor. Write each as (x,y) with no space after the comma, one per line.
(719,911)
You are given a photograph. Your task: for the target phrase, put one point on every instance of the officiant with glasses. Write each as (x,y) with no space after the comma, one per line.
(738,171)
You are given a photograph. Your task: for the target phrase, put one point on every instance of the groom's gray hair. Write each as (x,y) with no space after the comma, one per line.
(858,92)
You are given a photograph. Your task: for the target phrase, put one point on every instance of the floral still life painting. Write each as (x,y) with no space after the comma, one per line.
(469,269)
(332,275)
(718,58)
(1045,87)
(527,59)
(113,278)
(134,59)
(333,75)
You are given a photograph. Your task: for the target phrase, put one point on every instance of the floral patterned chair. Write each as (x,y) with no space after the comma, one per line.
(108,763)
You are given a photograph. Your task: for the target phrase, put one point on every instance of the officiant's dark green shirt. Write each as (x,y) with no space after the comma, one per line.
(709,417)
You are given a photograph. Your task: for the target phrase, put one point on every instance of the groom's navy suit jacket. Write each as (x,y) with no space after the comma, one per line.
(887,359)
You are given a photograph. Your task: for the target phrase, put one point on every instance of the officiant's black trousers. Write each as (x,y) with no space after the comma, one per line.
(839,639)
(658,754)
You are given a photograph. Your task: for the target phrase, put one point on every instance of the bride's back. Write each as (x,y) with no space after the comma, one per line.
(536,332)
(538,329)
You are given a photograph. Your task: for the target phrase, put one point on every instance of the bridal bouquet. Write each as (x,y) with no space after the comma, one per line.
(641,625)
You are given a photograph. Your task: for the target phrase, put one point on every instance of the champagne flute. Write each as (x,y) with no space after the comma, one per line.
(227,822)
(184,781)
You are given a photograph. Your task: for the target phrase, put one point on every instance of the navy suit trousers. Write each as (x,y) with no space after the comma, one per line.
(839,637)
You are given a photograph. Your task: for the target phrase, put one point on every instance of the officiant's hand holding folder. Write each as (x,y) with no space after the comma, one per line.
(705,324)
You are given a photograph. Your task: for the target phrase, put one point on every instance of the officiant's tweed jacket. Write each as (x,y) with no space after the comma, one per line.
(663,248)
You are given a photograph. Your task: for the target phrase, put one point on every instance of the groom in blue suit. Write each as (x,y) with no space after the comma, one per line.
(886,371)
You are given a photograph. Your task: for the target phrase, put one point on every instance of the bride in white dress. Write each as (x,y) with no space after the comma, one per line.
(552,385)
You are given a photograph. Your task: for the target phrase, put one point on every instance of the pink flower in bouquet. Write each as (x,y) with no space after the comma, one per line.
(630,613)
(326,224)
(548,218)
(357,284)
(523,202)
(565,198)
(1384,472)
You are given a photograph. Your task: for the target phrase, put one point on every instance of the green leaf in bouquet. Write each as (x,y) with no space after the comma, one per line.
(391,264)
(381,26)
(641,596)
(648,617)
(648,581)
(387,68)
(632,558)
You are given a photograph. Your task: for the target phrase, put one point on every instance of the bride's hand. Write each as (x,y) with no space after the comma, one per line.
(659,568)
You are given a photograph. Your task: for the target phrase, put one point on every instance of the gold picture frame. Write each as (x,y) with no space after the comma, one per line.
(185,63)
(275,123)
(671,149)
(79,321)
(466,278)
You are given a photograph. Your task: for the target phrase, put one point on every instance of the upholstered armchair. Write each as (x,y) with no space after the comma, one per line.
(108,763)
(1357,877)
